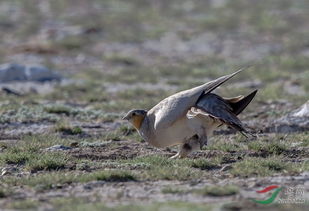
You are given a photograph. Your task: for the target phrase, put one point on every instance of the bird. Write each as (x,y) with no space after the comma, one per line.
(188,118)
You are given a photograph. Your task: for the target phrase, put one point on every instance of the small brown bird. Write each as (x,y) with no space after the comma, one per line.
(188,118)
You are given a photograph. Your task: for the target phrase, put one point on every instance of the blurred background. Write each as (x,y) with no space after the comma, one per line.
(122,54)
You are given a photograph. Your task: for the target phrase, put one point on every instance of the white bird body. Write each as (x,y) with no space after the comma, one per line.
(181,131)
(189,117)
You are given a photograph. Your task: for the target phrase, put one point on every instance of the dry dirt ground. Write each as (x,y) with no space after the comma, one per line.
(63,145)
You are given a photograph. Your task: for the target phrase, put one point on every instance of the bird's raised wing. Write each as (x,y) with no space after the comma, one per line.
(218,108)
(223,110)
(176,106)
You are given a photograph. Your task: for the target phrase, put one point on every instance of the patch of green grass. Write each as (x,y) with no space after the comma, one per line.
(58,109)
(71,42)
(273,91)
(203,164)
(5,192)
(29,152)
(13,156)
(90,91)
(226,146)
(171,173)
(48,161)
(35,161)
(79,113)
(226,190)
(51,179)
(272,147)
(80,204)
(109,176)
(173,190)
(158,167)
(26,204)
(67,203)
(27,114)
(121,59)
(301,138)
(42,181)
(264,167)
(65,128)
(38,142)
(3,145)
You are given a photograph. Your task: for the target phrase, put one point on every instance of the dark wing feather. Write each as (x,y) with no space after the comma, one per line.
(221,109)
(242,103)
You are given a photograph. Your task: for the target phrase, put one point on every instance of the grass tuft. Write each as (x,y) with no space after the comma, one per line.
(52,179)
(48,161)
(66,128)
(58,109)
(273,148)
(173,190)
(226,190)
(203,164)
(159,167)
(15,157)
(109,176)
(263,167)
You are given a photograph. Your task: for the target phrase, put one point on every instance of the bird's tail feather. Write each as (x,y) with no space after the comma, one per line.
(240,105)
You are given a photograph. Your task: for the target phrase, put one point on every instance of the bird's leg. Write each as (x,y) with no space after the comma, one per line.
(202,141)
(189,146)
(202,137)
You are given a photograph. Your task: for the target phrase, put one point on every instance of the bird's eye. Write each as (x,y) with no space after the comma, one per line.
(133,114)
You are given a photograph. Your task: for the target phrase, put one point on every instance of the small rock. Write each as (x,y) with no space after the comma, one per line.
(295,121)
(303,111)
(58,148)
(94,144)
(16,72)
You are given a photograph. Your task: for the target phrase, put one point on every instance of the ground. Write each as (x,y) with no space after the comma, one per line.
(63,145)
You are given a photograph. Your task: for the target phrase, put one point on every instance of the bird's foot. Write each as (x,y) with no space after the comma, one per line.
(175,156)
(178,156)
(202,143)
